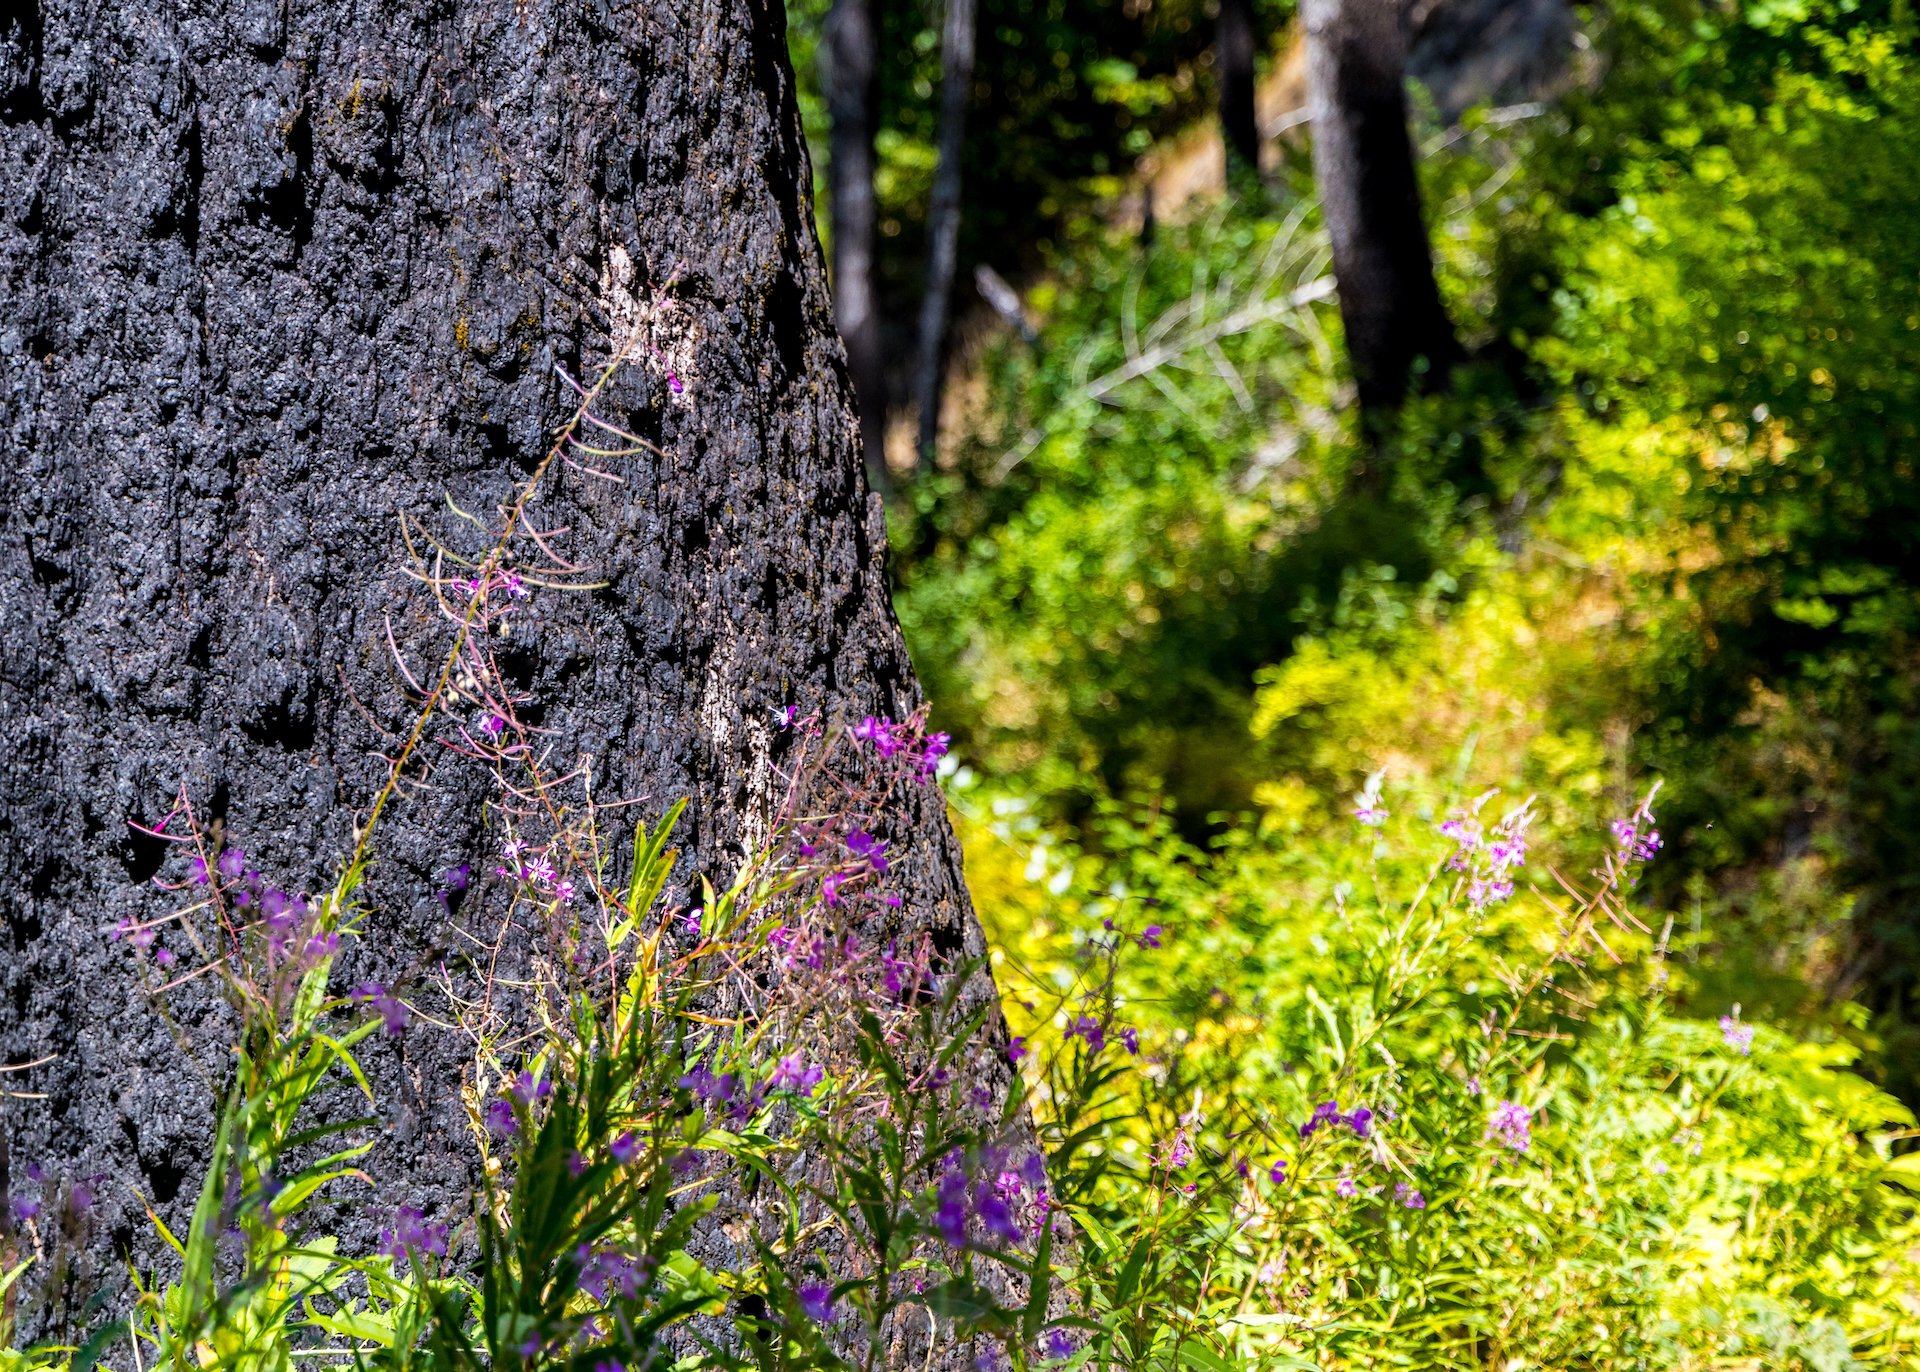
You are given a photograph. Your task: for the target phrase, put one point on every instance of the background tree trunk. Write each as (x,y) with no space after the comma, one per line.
(850,79)
(1370,196)
(943,220)
(277,271)
(1234,49)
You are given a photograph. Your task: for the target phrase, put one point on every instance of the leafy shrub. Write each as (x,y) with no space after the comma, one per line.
(1352,1105)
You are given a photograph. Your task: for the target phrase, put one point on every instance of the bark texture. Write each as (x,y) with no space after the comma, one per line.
(1370,197)
(1234,48)
(943,219)
(850,77)
(277,270)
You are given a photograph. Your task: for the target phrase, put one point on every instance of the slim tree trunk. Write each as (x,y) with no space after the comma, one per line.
(1397,331)
(274,274)
(1234,46)
(943,219)
(850,76)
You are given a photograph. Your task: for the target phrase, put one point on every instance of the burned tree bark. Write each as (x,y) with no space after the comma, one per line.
(276,272)
(1234,47)
(850,77)
(1397,329)
(943,221)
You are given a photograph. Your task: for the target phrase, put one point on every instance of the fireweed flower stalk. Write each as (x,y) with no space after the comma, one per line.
(783,1035)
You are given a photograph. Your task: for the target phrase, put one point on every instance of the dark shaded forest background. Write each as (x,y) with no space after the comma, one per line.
(1659,523)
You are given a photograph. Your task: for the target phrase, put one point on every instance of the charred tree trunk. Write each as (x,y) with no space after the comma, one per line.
(1398,333)
(276,272)
(850,76)
(943,220)
(1234,46)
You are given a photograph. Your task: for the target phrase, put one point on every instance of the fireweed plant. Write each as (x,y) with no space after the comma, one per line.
(1444,1116)
(651,1066)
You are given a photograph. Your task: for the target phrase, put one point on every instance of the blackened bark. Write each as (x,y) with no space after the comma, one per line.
(274,272)
(850,76)
(1370,197)
(943,220)
(1234,46)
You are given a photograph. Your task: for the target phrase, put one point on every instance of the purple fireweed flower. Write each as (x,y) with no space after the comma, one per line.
(233,864)
(492,723)
(412,1236)
(1060,1344)
(1512,1124)
(1131,1038)
(950,1207)
(391,1009)
(1473,1086)
(705,1085)
(1149,937)
(1409,1197)
(1326,1112)
(791,1073)
(675,384)
(1346,1188)
(527,1089)
(786,715)
(896,974)
(197,872)
(539,871)
(163,956)
(830,888)
(1277,1174)
(1636,844)
(500,1118)
(1088,1028)
(816,1302)
(625,1148)
(893,901)
(1738,1036)
(870,849)
(607,1273)
(564,892)
(24,1208)
(690,924)
(609,1365)
(1016,1048)
(1482,892)
(1504,853)
(996,1216)
(1179,1151)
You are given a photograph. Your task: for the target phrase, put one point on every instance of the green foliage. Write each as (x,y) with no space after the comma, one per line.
(1557,1171)
(1067,95)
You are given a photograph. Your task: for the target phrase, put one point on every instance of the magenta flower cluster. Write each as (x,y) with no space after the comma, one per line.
(1328,1113)
(533,867)
(1737,1036)
(890,739)
(412,1236)
(1512,1125)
